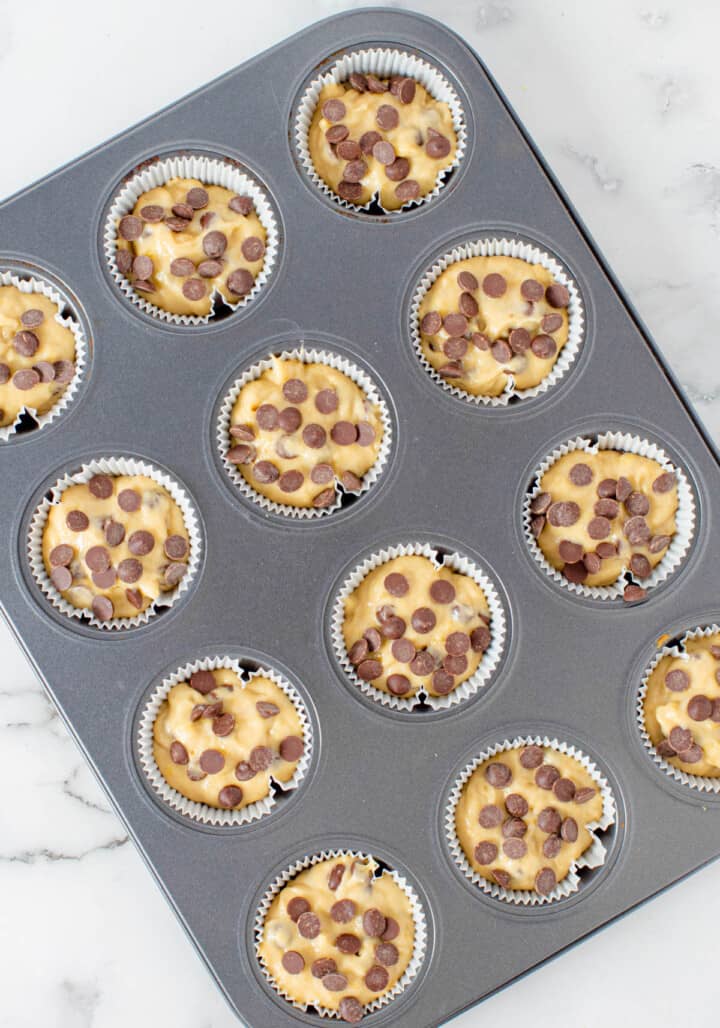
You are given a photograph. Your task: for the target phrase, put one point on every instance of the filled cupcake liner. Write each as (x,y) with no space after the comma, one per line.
(702,783)
(112,466)
(593,857)
(31,284)
(210,171)
(307,356)
(384,63)
(492,247)
(203,812)
(418,913)
(489,660)
(684,517)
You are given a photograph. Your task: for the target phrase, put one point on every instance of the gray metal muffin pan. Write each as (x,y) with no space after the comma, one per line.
(379,780)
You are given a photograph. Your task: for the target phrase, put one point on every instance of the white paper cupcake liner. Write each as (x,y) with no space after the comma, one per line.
(593,857)
(307,356)
(112,466)
(684,517)
(202,812)
(211,171)
(503,248)
(384,63)
(458,562)
(31,284)
(418,914)
(699,782)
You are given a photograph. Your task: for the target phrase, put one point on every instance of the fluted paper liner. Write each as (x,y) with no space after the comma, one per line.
(203,812)
(503,247)
(210,171)
(33,284)
(112,466)
(684,517)
(307,356)
(420,942)
(593,857)
(457,562)
(384,63)
(702,783)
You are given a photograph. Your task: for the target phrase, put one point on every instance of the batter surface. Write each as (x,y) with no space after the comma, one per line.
(219,741)
(300,429)
(682,708)
(373,137)
(410,624)
(598,513)
(338,936)
(522,817)
(37,354)
(486,318)
(185,240)
(115,544)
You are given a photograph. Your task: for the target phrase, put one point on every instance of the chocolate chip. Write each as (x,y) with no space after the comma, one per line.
(480,639)
(457,643)
(197,198)
(211,761)
(366,433)
(178,753)
(374,923)
(557,295)
(61,578)
(349,190)
(291,481)
(599,528)
(130,227)
(141,543)
(291,748)
(243,771)
(637,531)
(423,620)
(128,500)
(580,474)
(241,205)
(606,488)
(515,848)
(387,117)
(323,966)
(223,725)
(350,1010)
(335,877)
(549,820)
(202,681)
(592,563)
(32,317)
(396,584)
(129,570)
(376,85)
(296,907)
(677,680)
(658,543)
(485,853)
(498,774)
(175,547)
(437,146)
(546,776)
(77,521)
(4,374)
(623,488)
(700,708)
(102,608)
(584,794)
(26,378)
(333,110)
(114,532)
(396,170)
(229,796)
(544,347)
(358,651)
(343,911)
(552,846)
(64,371)
(490,816)
(551,322)
(501,877)
(407,190)
(293,962)
(607,508)
(531,290)
(105,579)
(346,942)
(377,978)
(516,805)
(60,556)
(374,638)
(289,419)
(240,282)
(252,248)
(265,472)
(680,739)
(564,789)
(519,340)
(403,651)
(358,81)
(143,267)
(392,930)
(691,755)
(326,401)
(406,91)
(570,552)
(387,954)
(640,565)
(422,664)
(514,828)
(443,681)
(209,268)
(633,594)
(261,757)
(26,343)
(183,211)
(664,483)
(309,925)
(494,285)
(545,881)
(193,289)
(532,757)
(501,351)
(384,152)
(369,670)
(637,503)
(606,550)
(45,370)
(563,514)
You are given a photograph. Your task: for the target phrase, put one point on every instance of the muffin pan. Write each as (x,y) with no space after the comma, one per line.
(379,780)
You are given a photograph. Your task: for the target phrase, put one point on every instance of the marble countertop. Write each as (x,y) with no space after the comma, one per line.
(621,96)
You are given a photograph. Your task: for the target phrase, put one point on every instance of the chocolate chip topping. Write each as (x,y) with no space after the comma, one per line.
(549,820)
(211,761)
(387,117)
(291,748)
(178,753)
(293,962)
(346,942)
(407,190)
(563,514)
(546,776)
(141,543)
(32,318)
(395,170)
(557,295)
(343,911)
(545,881)
(637,531)
(309,925)
(350,1010)
(377,978)
(490,816)
(241,205)
(129,570)
(102,608)
(544,347)
(494,285)
(677,680)
(26,343)
(323,966)
(515,848)
(664,483)
(240,281)
(61,578)
(486,852)
(229,796)
(333,110)
(130,227)
(700,708)
(437,145)
(498,774)
(77,521)
(532,757)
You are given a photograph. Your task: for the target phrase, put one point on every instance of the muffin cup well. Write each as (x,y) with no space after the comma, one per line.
(383,63)
(307,356)
(112,466)
(203,812)
(593,857)
(211,171)
(418,914)
(701,783)
(458,562)
(33,284)
(684,518)
(503,247)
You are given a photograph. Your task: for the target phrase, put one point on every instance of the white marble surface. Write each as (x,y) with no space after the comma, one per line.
(621,95)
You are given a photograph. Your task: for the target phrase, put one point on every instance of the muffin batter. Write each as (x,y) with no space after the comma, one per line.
(485,319)
(218,740)
(682,708)
(600,513)
(372,137)
(522,818)
(411,625)
(115,544)
(300,429)
(37,354)
(185,240)
(338,936)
